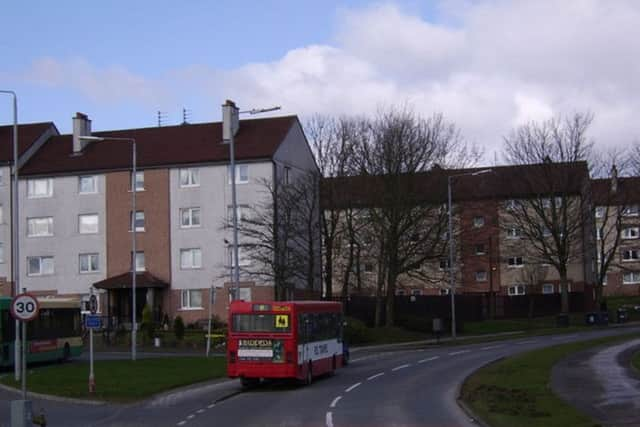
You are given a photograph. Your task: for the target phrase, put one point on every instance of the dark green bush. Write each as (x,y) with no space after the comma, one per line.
(356,331)
(178,328)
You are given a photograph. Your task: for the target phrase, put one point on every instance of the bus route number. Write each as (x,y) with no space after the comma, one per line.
(24,307)
(282,321)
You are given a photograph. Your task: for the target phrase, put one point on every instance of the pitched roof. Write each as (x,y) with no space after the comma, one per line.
(143,280)
(503,182)
(27,135)
(628,191)
(161,146)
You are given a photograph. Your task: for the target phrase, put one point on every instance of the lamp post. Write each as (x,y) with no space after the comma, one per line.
(15,223)
(230,125)
(452,276)
(132,141)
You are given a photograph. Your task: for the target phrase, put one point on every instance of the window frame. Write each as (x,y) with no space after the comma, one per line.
(545,285)
(190,211)
(80,216)
(239,168)
(139,173)
(631,252)
(192,177)
(515,263)
(189,298)
(516,290)
(192,258)
(31,184)
(132,224)
(94,179)
(634,233)
(40,259)
(478,221)
(89,263)
(634,275)
(50,226)
(482,276)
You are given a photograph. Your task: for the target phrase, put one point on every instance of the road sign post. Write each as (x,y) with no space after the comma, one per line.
(93,308)
(24,308)
(212,300)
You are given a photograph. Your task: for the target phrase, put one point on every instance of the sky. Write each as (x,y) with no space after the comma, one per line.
(487,66)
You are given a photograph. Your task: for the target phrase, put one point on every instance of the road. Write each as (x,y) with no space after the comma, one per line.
(412,387)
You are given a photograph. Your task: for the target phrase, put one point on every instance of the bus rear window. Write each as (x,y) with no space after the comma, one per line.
(261,323)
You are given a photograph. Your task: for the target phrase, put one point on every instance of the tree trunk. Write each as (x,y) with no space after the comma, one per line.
(598,291)
(379,291)
(564,287)
(391,280)
(328,277)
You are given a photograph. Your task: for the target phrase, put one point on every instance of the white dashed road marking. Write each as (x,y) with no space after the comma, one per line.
(190,416)
(352,387)
(459,352)
(181,423)
(428,359)
(491,347)
(329,419)
(375,376)
(211,406)
(397,368)
(335,402)
(200,411)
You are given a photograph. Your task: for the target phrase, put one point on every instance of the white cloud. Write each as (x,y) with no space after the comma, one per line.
(487,65)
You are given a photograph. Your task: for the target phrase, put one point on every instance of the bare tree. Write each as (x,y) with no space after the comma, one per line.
(399,146)
(553,215)
(279,237)
(332,142)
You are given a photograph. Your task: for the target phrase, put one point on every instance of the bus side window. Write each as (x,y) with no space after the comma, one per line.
(302,329)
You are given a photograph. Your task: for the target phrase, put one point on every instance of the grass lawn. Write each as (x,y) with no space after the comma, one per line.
(516,391)
(121,380)
(511,325)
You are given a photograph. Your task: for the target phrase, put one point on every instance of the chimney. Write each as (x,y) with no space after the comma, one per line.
(614,179)
(81,127)
(230,123)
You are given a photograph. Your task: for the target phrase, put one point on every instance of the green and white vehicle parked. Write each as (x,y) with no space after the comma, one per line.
(55,334)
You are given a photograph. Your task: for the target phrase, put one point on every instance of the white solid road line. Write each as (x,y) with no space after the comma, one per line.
(429,359)
(527,342)
(329,419)
(352,387)
(335,402)
(459,352)
(375,376)
(397,368)
(492,347)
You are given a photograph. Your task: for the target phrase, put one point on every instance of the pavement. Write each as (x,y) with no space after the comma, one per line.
(601,383)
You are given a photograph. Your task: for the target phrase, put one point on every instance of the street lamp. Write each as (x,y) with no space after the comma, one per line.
(230,126)
(132,141)
(452,278)
(15,222)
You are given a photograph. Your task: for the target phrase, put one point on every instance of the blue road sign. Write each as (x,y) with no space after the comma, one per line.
(93,322)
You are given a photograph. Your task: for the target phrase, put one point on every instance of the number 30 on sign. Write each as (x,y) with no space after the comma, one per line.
(24,307)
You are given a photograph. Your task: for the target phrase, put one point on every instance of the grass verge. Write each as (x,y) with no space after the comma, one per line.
(121,380)
(516,391)
(635,361)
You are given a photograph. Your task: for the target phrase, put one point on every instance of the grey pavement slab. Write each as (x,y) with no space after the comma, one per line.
(601,383)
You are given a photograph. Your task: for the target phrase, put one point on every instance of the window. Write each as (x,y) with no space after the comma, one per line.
(89,263)
(600,211)
(416,292)
(515,290)
(38,188)
(39,265)
(287,171)
(88,224)
(630,233)
(546,203)
(87,184)
(630,255)
(139,181)
(139,221)
(1,252)
(38,227)
(444,291)
(242,174)
(630,210)
(481,276)
(510,204)
(480,250)
(513,233)
(1,214)
(478,221)
(242,212)
(548,288)
(631,277)
(191,298)
(189,217)
(241,255)
(515,261)
(546,232)
(189,177)
(444,264)
(400,292)
(190,258)
(140,261)
(1,177)
(368,267)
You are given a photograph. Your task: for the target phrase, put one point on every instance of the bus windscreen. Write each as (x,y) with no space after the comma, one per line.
(261,323)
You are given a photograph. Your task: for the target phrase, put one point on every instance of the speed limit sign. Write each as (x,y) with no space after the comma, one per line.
(24,307)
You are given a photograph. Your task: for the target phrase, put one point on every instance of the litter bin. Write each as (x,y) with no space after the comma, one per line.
(591,318)
(621,315)
(562,320)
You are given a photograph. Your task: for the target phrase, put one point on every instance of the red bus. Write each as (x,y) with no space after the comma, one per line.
(292,339)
